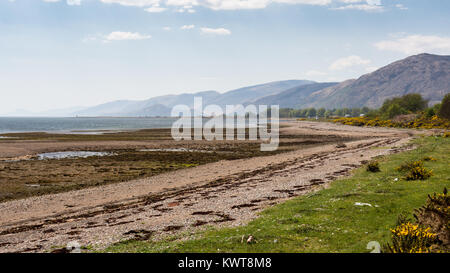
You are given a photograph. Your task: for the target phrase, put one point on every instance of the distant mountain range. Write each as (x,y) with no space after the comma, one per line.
(162,106)
(426,74)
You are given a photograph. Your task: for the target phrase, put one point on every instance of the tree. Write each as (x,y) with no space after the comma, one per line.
(327,114)
(429,112)
(321,112)
(395,110)
(410,103)
(413,103)
(296,113)
(436,108)
(285,112)
(444,110)
(311,112)
(373,113)
(303,113)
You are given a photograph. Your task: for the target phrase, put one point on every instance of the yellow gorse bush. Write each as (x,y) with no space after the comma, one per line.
(429,233)
(429,158)
(409,229)
(419,123)
(411,238)
(419,173)
(408,166)
(415,169)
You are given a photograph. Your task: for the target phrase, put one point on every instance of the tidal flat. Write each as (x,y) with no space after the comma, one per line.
(130,155)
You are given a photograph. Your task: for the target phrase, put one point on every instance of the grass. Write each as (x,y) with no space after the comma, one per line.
(327,220)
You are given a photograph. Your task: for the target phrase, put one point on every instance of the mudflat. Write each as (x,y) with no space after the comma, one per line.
(211,183)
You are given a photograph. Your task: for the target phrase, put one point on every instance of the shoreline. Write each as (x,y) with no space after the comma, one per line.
(164,204)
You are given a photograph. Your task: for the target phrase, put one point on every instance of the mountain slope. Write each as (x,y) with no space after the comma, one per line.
(252,93)
(294,97)
(426,74)
(162,105)
(157,106)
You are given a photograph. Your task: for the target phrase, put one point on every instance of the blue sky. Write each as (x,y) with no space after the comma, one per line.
(58,54)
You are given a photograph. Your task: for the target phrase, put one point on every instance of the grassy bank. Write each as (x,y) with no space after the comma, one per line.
(327,220)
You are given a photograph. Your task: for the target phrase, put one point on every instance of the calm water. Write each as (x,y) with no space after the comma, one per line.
(10,125)
(90,125)
(74,154)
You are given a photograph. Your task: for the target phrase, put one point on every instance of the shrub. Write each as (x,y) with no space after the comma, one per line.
(444,109)
(429,233)
(409,103)
(436,215)
(419,173)
(418,123)
(429,112)
(311,112)
(373,167)
(411,238)
(395,110)
(321,112)
(416,170)
(410,165)
(429,158)
(405,118)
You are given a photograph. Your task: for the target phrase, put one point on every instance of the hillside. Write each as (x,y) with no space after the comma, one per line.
(162,105)
(426,74)
(253,93)
(293,97)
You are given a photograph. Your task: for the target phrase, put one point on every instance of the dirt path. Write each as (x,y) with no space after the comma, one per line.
(226,192)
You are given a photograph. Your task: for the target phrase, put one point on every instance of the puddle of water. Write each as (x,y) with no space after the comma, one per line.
(85,133)
(4,137)
(174,150)
(72,154)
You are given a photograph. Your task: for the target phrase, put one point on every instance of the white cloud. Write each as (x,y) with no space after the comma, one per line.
(414,44)
(167,28)
(120,35)
(73,2)
(133,3)
(48,1)
(401,6)
(215,31)
(187,27)
(189,5)
(364,5)
(347,62)
(155,8)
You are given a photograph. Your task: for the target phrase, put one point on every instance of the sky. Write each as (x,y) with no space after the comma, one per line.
(69,53)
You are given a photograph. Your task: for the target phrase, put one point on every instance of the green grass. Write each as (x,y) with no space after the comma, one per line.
(327,220)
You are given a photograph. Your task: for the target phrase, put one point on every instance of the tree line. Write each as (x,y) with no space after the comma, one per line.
(407,104)
(322,112)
